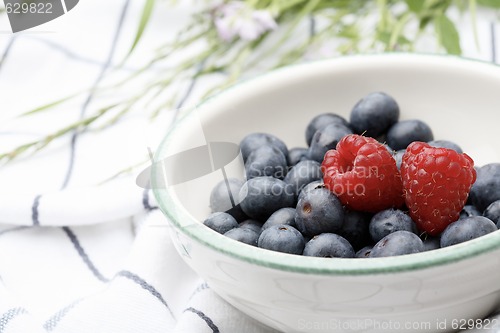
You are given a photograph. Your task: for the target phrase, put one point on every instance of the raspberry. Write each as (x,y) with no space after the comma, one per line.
(436,185)
(363,174)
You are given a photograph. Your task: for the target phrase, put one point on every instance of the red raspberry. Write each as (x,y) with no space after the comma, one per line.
(436,185)
(363,174)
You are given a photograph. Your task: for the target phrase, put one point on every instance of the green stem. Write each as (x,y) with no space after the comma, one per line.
(473,16)
(397,30)
(307,9)
(125,171)
(40,144)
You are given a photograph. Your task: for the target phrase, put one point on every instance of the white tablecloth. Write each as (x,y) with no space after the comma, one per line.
(80,252)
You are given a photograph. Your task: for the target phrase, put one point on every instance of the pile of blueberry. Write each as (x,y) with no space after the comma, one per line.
(288,204)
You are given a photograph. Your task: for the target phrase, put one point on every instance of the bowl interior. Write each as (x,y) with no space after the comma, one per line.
(458,98)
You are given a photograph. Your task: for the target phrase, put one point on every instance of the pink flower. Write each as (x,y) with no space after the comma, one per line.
(237,18)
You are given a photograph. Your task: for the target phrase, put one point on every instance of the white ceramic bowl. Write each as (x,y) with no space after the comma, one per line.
(431,291)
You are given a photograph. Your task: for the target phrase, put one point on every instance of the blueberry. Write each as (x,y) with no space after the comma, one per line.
(374,114)
(388,148)
(295,155)
(254,141)
(398,156)
(466,229)
(302,174)
(397,243)
(486,189)
(468,211)
(326,139)
(446,144)
(355,228)
(261,196)
(319,211)
(284,216)
(224,198)
(282,238)
(311,186)
(403,133)
(221,222)
(364,252)
(253,225)
(266,161)
(432,243)
(329,245)
(321,121)
(244,235)
(493,212)
(388,221)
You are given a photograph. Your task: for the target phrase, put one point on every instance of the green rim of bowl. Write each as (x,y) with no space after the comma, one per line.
(188,225)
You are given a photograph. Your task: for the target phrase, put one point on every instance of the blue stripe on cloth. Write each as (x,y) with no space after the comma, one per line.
(90,96)
(6,231)
(198,289)
(52,322)
(145,200)
(72,55)
(34,211)
(83,254)
(7,50)
(146,286)
(9,315)
(205,318)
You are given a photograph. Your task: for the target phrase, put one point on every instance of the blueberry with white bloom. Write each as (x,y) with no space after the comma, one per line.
(402,133)
(466,229)
(284,216)
(470,210)
(431,243)
(321,121)
(374,114)
(329,245)
(282,238)
(252,224)
(319,211)
(221,222)
(296,155)
(224,198)
(364,252)
(266,161)
(388,221)
(325,139)
(493,212)
(396,244)
(302,174)
(254,141)
(261,196)
(244,235)
(446,144)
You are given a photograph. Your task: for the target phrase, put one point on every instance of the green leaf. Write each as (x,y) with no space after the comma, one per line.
(447,34)
(437,4)
(415,5)
(423,22)
(489,3)
(145,16)
(349,31)
(48,106)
